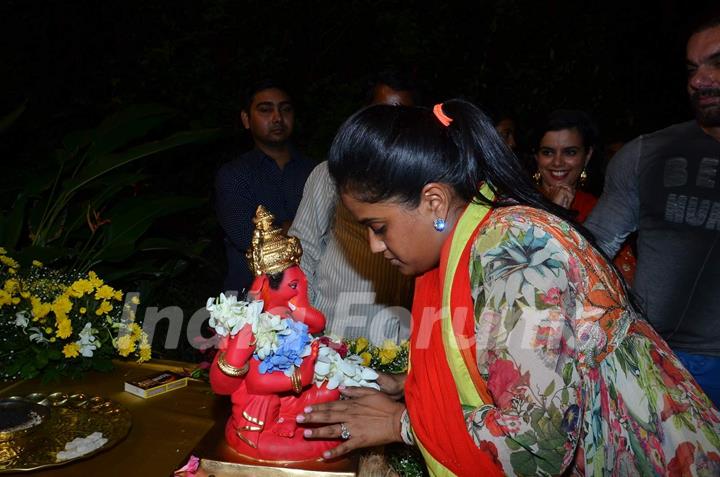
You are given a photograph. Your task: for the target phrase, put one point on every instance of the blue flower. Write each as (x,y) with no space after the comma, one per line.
(570,419)
(292,344)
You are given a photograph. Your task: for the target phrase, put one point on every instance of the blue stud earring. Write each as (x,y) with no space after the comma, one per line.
(439,224)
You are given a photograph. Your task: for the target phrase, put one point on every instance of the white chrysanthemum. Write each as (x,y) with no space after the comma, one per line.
(21,319)
(228,315)
(266,329)
(331,367)
(87,341)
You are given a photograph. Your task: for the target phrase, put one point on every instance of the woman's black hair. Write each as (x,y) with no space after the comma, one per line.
(571,119)
(389,153)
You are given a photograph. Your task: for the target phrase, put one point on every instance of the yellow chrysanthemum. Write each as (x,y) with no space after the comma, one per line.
(9,261)
(94,280)
(366,357)
(105,307)
(145,349)
(118,295)
(11,286)
(62,305)
(2,251)
(136,331)
(388,352)
(64,328)
(361,344)
(12,271)
(83,310)
(39,309)
(105,292)
(25,294)
(71,350)
(125,345)
(80,287)
(5,298)
(37,263)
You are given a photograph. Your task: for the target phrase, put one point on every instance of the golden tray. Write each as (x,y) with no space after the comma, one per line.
(71,416)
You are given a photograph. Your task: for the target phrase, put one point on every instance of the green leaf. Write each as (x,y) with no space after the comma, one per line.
(132,218)
(8,120)
(526,440)
(549,389)
(564,396)
(11,223)
(567,373)
(107,163)
(523,463)
(549,461)
(125,126)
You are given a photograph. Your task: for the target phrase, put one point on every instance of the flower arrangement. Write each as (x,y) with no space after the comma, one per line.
(391,358)
(282,343)
(58,323)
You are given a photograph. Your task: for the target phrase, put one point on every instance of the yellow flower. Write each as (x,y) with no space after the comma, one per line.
(11,285)
(11,271)
(125,345)
(25,294)
(52,339)
(145,349)
(71,350)
(83,310)
(80,287)
(366,357)
(5,298)
(15,301)
(105,292)
(388,352)
(94,280)
(118,295)
(62,305)
(136,331)
(64,328)
(39,309)
(9,261)
(135,300)
(2,251)
(37,263)
(48,330)
(105,307)
(360,344)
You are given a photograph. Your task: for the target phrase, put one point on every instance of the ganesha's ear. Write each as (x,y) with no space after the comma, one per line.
(258,285)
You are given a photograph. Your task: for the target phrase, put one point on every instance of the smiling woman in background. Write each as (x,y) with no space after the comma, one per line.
(567,142)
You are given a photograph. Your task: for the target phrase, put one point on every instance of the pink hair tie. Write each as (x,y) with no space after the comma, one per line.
(445,120)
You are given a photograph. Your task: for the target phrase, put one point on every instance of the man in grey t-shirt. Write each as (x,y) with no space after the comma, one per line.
(666,186)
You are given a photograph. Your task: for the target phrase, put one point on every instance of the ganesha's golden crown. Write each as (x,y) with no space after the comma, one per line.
(270,251)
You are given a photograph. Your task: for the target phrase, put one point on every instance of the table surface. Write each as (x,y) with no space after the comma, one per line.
(165,428)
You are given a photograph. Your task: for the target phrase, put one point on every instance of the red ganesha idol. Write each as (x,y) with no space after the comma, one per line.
(267,356)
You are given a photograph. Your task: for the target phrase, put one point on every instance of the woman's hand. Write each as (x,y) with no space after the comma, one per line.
(561,194)
(369,416)
(392,384)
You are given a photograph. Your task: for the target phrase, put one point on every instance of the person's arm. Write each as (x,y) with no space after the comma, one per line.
(235,206)
(313,221)
(522,279)
(616,214)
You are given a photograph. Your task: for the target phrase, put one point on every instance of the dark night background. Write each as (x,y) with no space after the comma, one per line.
(73,63)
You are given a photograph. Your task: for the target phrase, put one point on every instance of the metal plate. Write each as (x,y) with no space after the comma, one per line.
(69,417)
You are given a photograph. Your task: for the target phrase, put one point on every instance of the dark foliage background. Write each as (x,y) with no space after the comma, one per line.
(74,62)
